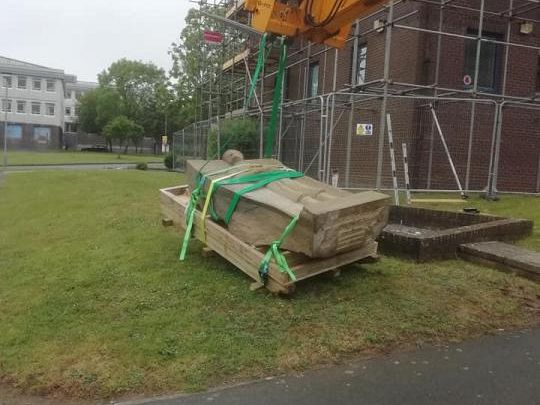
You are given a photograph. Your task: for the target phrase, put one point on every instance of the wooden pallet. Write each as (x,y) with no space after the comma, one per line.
(174,201)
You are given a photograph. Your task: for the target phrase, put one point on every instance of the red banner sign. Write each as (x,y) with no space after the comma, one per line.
(213,37)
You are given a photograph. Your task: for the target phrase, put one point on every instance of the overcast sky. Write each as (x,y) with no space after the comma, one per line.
(83,37)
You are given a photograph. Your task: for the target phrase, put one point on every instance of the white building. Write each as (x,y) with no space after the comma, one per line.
(74,90)
(33,99)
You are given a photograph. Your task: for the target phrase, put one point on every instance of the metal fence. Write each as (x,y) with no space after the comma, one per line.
(451,143)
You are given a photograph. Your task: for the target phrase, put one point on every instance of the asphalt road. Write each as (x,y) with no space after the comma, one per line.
(495,370)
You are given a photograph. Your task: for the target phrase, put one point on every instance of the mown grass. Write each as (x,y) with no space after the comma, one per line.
(94,302)
(509,205)
(65,157)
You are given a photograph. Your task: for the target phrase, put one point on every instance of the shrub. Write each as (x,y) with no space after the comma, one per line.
(168,161)
(235,133)
(141,166)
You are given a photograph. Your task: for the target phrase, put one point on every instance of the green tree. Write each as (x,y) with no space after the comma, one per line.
(97,108)
(139,86)
(196,64)
(87,111)
(235,133)
(122,129)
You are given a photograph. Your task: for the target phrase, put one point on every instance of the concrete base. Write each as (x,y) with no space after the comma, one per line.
(423,234)
(504,256)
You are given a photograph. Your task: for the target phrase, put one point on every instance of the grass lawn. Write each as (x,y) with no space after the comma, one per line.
(508,205)
(94,302)
(66,157)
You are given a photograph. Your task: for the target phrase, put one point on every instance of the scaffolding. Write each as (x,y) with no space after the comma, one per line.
(310,130)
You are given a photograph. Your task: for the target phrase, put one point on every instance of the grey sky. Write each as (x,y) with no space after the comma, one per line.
(83,37)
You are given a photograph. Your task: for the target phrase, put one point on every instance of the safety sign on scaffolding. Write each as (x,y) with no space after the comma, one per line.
(364,129)
(213,37)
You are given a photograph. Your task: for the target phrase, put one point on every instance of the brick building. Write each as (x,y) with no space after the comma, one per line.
(424,55)
(413,60)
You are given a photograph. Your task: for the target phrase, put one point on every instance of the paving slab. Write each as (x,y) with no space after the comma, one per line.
(504,256)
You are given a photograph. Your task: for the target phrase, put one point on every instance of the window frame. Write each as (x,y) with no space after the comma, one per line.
(34,81)
(313,66)
(51,82)
(19,82)
(496,61)
(6,105)
(356,69)
(538,74)
(23,102)
(49,105)
(5,79)
(32,105)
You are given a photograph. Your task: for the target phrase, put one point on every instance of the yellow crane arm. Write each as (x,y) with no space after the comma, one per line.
(320,21)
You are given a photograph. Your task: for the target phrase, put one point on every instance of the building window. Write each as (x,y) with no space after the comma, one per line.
(68,110)
(6,105)
(21,106)
(490,63)
(14,132)
(78,95)
(313,84)
(7,82)
(538,74)
(74,111)
(49,109)
(70,127)
(21,82)
(359,71)
(36,84)
(68,94)
(36,108)
(42,135)
(51,85)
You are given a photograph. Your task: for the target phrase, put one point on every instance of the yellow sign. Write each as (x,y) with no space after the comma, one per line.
(364,129)
(164,139)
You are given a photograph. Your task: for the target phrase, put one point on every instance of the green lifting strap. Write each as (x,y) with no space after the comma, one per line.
(276,102)
(190,216)
(259,180)
(258,68)
(274,252)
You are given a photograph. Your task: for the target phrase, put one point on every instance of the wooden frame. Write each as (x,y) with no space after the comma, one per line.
(174,201)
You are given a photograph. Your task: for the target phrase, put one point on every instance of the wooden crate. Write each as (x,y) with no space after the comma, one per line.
(174,201)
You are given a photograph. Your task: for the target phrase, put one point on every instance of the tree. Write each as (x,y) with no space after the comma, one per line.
(139,86)
(88,112)
(97,108)
(196,63)
(235,133)
(123,130)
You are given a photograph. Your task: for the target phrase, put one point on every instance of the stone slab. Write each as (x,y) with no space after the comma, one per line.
(504,256)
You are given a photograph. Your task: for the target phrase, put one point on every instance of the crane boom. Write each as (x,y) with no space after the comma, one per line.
(319,21)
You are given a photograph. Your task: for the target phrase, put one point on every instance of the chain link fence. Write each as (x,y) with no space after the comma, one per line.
(342,138)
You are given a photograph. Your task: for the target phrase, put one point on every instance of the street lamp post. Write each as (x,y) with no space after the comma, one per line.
(4,105)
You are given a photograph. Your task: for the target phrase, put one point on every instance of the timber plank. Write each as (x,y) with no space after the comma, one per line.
(246,257)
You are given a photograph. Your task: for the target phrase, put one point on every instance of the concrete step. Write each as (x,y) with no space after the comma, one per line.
(503,256)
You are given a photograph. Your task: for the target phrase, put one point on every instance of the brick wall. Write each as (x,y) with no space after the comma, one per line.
(413,57)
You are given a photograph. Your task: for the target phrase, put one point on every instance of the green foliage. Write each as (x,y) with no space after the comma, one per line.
(123,130)
(195,63)
(141,166)
(87,111)
(94,302)
(235,133)
(168,161)
(19,157)
(97,108)
(109,106)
